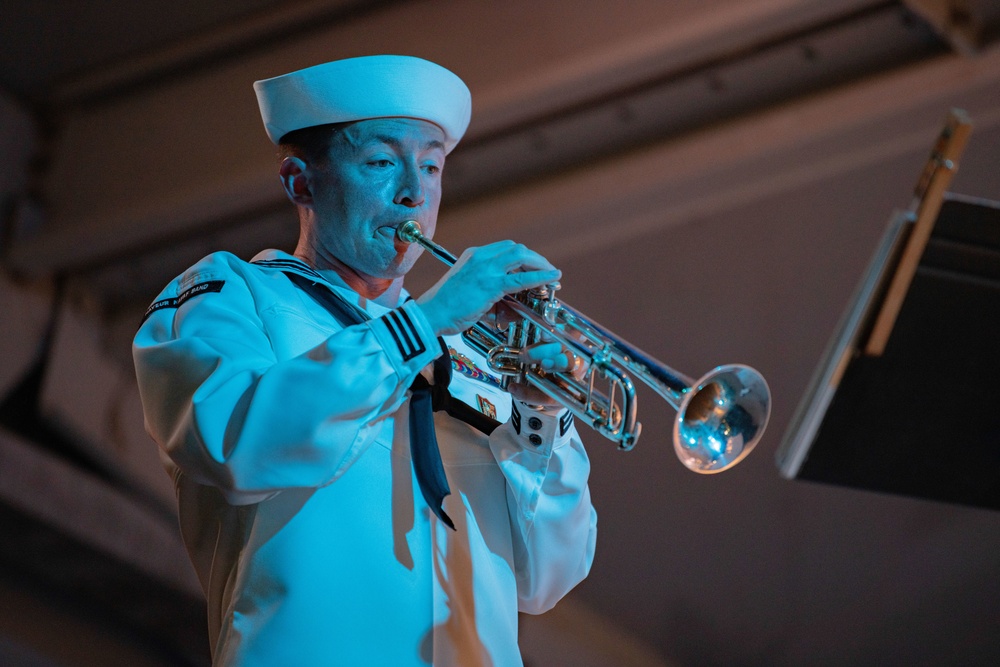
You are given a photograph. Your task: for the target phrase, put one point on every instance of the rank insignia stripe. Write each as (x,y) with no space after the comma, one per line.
(404,333)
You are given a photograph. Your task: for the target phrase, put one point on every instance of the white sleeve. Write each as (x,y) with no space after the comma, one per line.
(553,522)
(229,414)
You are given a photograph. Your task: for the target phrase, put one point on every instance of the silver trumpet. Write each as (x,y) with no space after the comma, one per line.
(720,417)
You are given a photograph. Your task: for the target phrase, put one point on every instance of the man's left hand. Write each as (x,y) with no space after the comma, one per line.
(552,357)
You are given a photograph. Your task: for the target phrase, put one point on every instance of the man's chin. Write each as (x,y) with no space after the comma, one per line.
(398,271)
(395,270)
(402,263)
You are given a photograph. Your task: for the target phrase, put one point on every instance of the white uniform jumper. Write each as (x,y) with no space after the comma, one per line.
(287,437)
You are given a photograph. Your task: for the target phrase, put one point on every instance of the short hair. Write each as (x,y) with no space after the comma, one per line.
(311,144)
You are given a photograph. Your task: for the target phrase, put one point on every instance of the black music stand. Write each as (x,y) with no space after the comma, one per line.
(907,397)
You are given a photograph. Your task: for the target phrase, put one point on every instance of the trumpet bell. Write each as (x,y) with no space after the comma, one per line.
(721,418)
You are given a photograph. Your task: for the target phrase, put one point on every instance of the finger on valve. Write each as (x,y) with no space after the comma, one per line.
(551,356)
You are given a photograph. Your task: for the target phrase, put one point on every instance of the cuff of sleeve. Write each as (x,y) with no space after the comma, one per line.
(540,430)
(407,338)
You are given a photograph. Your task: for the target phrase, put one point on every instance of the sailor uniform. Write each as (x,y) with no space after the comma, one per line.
(287,437)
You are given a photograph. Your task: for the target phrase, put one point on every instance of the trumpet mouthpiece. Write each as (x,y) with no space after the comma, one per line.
(409,231)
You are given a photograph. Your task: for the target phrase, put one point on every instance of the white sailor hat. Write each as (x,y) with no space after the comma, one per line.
(381,86)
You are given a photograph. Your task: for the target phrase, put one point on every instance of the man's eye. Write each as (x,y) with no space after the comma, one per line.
(432,168)
(380,163)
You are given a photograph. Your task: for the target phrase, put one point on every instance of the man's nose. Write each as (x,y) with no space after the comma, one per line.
(411,189)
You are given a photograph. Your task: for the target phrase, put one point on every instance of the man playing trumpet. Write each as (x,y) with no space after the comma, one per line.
(332,517)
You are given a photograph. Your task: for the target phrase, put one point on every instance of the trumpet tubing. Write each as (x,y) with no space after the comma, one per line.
(720,416)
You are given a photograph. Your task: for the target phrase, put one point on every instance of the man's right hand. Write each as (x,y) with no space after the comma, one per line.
(480,278)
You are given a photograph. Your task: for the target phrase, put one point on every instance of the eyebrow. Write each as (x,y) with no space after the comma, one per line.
(396,143)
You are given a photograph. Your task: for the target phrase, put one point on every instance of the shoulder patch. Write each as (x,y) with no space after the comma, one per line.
(175,302)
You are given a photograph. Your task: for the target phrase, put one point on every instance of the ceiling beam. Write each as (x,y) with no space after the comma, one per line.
(955,20)
(255,32)
(199,167)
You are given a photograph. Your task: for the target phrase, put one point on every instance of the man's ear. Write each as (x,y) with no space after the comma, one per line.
(296,180)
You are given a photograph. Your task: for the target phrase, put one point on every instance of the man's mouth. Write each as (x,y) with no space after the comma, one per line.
(387,230)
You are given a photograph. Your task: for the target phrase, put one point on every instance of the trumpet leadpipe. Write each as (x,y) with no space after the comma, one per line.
(410,232)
